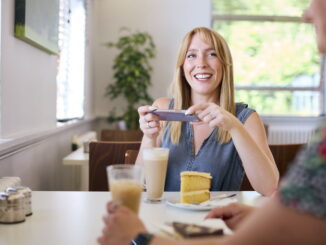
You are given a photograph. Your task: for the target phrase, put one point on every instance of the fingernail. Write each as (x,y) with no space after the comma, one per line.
(152,108)
(187,112)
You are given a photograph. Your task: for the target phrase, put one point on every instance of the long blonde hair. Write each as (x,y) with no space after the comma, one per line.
(181,91)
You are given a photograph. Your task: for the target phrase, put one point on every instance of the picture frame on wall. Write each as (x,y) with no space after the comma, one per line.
(37,23)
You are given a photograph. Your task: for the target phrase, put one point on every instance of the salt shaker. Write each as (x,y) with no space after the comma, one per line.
(27,197)
(12,207)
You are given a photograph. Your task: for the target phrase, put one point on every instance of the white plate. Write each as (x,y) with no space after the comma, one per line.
(177,204)
(208,206)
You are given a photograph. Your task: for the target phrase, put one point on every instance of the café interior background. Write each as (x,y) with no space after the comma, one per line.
(32,144)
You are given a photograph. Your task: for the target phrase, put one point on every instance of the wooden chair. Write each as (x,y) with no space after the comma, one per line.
(121,135)
(131,156)
(283,156)
(103,154)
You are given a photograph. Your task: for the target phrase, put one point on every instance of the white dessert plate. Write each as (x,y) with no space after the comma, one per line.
(205,206)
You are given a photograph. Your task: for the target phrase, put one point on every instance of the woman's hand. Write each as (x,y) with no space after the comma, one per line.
(148,122)
(214,115)
(121,225)
(232,214)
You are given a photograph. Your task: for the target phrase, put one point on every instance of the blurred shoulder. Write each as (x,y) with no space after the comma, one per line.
(162,103)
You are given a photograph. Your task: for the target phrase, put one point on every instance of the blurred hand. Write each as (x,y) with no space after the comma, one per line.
(232,214)
(214,115)
(121,225)
(148,122)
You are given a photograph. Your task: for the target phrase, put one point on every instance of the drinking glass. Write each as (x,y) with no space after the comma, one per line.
(155,163)
(125,184)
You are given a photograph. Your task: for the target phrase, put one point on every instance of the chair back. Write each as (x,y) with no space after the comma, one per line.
(121,135)
(283,155)
(103,154)
(131,156)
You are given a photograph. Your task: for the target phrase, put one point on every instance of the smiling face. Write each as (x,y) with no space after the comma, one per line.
(202,68)
(316,14)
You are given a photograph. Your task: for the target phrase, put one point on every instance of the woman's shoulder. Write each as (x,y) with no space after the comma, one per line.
(243,111)
(162,103)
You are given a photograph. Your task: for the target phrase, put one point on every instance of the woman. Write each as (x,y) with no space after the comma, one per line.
(230,138)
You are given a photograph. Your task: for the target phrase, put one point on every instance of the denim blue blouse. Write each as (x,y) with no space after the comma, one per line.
(221,160)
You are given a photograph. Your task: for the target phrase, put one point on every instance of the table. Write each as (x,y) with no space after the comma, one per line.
(76,217)
(81,159)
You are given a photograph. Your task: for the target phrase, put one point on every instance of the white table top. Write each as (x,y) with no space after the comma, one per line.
(77,157)
(76,217)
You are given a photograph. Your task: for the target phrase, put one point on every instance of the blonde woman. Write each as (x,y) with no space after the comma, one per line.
(229,140)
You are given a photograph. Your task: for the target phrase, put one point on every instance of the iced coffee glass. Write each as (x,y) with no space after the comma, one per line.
(155,162)
(125,184)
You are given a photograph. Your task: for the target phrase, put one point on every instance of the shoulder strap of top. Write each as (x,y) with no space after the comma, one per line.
(243,111)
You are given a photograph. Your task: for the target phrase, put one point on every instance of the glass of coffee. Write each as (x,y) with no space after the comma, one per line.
(155,162)
(125,184)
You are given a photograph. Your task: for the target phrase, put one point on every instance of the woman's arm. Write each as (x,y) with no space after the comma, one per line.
(275,223)
(251,143)
(151,126)
(272,224)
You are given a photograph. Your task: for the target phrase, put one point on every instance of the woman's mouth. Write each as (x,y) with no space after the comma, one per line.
(202,76)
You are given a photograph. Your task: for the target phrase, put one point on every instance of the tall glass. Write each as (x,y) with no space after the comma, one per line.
(125,184)
(155,162)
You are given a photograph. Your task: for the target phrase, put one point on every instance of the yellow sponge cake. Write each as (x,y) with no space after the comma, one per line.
(195,196)
(195,186)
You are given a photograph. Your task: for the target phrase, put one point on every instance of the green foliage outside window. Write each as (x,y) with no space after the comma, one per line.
(272,54)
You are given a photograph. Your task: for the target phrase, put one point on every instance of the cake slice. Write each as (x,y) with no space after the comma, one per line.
(195,196)
(195,186)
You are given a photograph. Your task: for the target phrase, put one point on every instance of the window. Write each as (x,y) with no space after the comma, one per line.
(276,63)
(71,61)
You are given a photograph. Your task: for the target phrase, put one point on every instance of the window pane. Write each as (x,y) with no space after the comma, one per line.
(71,68)
(286,103)
(259,7)
(272,54)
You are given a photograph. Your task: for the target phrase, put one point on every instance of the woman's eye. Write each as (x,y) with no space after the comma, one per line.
(189,56)
(213,54)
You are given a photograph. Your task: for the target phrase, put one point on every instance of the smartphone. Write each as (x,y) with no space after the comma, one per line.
(191,230)
(175,115)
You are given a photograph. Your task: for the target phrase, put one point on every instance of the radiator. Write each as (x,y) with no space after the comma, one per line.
(290,134)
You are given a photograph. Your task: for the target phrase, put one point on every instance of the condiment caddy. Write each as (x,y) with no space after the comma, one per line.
(15,204)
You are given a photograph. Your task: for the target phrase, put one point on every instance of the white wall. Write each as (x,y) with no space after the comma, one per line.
(166,20)
(28,85)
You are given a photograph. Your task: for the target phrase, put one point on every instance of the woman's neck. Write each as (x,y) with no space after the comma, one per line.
(199,98)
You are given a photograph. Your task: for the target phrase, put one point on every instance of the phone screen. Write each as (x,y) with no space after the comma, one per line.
(175,115)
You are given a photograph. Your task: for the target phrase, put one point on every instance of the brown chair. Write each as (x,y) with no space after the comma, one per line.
(283,156)
(121,135)
(103,154)
(131,156)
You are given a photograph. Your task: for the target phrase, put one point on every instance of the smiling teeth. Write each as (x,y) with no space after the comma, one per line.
(202,76)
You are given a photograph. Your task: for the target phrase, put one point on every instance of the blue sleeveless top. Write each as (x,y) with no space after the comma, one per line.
(221,160)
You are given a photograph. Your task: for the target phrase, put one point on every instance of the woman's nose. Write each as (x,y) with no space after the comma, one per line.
(201,62)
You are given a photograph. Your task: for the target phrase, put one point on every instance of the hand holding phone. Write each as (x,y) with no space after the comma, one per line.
(175,115)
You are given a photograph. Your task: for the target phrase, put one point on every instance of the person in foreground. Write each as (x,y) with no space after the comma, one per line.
(295,215)
(230,139)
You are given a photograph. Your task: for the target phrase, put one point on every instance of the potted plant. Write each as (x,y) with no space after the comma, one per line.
(132,75)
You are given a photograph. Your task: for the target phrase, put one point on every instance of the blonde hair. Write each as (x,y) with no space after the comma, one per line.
(181,90)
